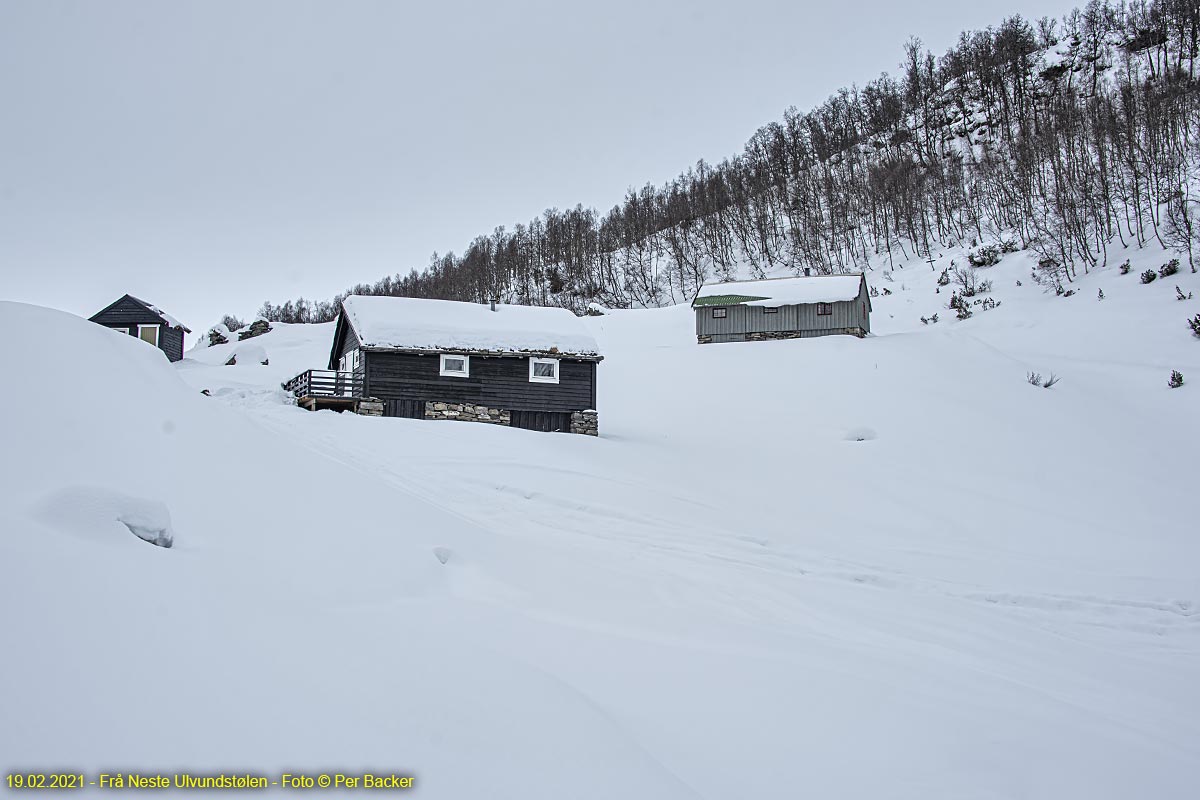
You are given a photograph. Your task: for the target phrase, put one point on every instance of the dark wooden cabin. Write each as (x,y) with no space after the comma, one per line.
(522,366)
(147,322)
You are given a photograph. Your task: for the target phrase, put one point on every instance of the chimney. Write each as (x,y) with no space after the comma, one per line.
(493,306)
(808,272)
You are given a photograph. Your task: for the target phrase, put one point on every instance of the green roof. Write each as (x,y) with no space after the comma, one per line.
(725,300)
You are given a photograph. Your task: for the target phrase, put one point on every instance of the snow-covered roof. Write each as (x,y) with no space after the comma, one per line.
(409,323)
(174,323)
(781,291)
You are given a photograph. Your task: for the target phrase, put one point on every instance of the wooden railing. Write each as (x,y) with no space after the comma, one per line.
(325,383)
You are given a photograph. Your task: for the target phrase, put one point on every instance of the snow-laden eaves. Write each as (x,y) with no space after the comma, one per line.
(174,323)
(781,291)
(409,323)
(171,320)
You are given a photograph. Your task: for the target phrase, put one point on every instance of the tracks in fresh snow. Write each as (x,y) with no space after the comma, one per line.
(689,535)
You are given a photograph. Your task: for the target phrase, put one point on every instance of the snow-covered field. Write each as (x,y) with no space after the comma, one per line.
(833,567)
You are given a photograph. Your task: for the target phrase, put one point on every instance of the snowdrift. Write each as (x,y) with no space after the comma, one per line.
(303,617)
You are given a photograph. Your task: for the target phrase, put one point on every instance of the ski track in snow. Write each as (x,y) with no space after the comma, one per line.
(505,508)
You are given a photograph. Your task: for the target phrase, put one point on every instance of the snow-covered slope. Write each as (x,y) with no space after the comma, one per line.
(887,567)
(303,618)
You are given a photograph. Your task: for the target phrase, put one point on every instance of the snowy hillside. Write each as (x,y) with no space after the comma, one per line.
(887,567)
(1072,137)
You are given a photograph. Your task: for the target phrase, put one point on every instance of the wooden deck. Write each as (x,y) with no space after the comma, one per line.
(317,389)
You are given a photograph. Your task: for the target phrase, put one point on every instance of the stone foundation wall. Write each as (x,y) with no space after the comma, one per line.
(370,406)
(769,335)
(465,412)
(585,422)
(764,336)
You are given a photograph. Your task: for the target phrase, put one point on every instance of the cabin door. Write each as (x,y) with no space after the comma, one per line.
(344,383)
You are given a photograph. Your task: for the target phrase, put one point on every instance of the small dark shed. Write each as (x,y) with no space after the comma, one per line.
(783,308)
(522,366)
(147,322)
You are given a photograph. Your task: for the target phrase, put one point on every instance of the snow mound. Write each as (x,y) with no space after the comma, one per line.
(103,515)
(221,329)
(287,349)
(248,354)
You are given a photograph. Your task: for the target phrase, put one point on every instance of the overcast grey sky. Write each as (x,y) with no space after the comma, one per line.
(207,156)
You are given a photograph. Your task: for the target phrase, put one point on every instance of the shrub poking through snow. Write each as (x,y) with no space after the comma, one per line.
(1194,324)
(944,278)
(860,435)
(1148,276)
(1169,268)
(1125,267)
(886,290)
(985,256)
(1179,295)
(1100,294)
(874,291)
(968,281)
(961,306)
(930,320)
(1068,293)
(1009,246)
(1176,379)
(1036,379)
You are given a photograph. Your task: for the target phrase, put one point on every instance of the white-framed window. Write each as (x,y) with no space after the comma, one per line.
(770,309)
(543,370)
(455,366)
(349,361)
(148,334)
(720,313)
